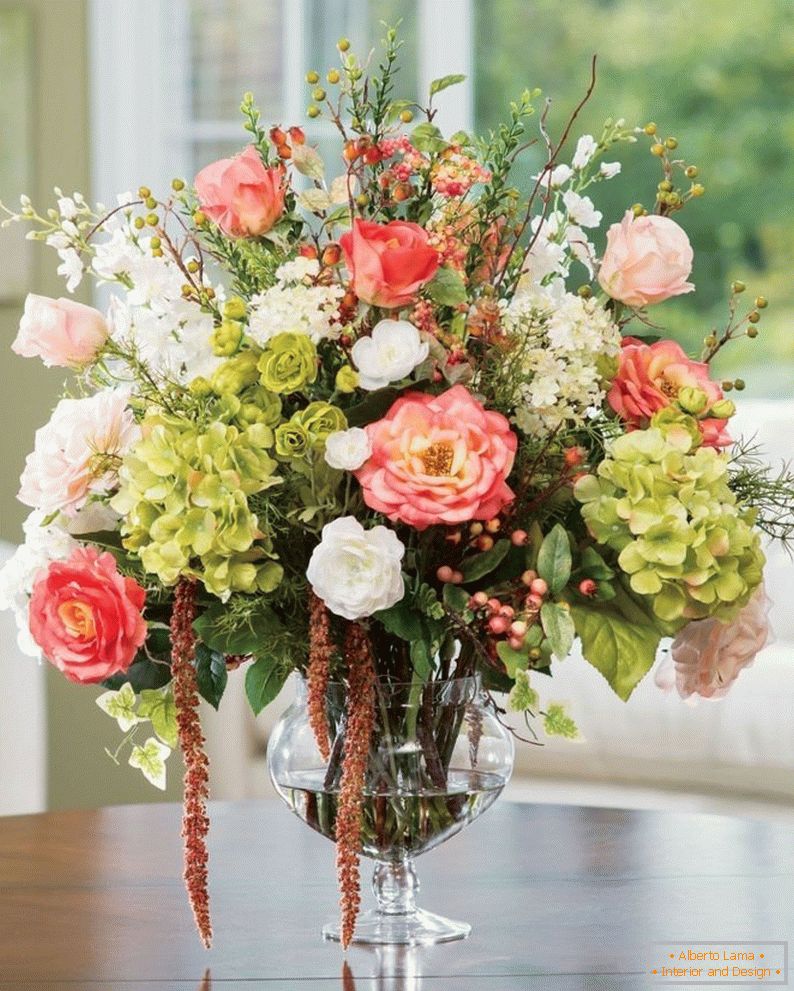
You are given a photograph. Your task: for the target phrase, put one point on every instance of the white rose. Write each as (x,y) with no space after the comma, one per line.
(357,572)
(390,354)
(348,449)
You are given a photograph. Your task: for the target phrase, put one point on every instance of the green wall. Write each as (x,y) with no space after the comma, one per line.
(80,773)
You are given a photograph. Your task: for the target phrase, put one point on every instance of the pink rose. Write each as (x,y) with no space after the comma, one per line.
(60,331)
(86,617)
(651,377)
(438,459)
(240,195)
(707,656)
(388,263)
(646,260)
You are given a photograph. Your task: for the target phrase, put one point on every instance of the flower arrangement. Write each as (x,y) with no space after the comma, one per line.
(381,419)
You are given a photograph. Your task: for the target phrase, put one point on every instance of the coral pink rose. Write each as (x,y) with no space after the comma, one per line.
(646,260)
(86,617)
(707,656)
(438,459)
(240,195)
(388,263)
(651,376)
(61,332)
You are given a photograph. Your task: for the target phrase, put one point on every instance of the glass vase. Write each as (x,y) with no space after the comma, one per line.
(438,759)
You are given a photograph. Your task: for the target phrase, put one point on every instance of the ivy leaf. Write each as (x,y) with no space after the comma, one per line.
(211,674)
(157,705)
(622,651)
(444,82)
(247,639)
(554,559)
(513,660)
(486,562)
(558,627)
(557,722)
(150,759)
(120,706)
(446,288)
(263,681)
(402,620)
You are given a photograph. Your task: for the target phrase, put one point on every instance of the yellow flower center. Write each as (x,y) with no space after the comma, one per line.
(437,459)
(78,618)
(670,389)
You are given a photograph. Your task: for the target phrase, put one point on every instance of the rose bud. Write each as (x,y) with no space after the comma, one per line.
(296,136)
(331,254)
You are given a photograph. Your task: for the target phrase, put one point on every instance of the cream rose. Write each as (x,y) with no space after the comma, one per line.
(391,353)
(347,449)
(357,572)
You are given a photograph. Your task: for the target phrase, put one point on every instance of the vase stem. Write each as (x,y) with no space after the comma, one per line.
(395,885)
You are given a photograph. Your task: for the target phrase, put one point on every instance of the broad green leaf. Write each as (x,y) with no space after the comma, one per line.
(594,566)
(120,706)
(488,561)
(251,638)
(554,559)
(372,408)
(263,681)
(157,705)
(211,674)
(455,597)
(314,200)
(444,82)
(402,620)
(144,672)
(558,627)
(420,659)
(427,137)
(150,759)
(446,288)
(622,651)
(513,660)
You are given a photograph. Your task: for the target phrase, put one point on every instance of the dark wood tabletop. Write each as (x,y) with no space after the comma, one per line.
(559,898)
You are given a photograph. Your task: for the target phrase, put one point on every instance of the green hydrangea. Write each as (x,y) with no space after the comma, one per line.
(665,506)
(184,497)
(289,364)
(236,374)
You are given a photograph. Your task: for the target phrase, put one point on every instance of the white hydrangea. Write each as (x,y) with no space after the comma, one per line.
(295,304)
(563,340)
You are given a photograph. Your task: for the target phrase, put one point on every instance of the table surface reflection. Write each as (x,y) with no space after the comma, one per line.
(559,898)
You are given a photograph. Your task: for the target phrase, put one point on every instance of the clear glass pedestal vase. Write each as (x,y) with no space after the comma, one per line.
(439,757)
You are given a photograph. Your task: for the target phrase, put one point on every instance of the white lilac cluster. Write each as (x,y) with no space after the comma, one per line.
(561,235)
(565,342)
(167,332)
(295,304)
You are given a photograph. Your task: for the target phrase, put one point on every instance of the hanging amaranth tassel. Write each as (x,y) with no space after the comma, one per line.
(320,650)
(195,821)
(358,735)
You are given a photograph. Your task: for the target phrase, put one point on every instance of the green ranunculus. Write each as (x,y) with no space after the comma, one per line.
(259,406)
(236,374)
(320,419)
(289,363)
(292,441)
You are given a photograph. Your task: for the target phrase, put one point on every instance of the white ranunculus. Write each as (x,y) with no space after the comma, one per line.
(585,149)
(390,354)
(348,449)
(357,572)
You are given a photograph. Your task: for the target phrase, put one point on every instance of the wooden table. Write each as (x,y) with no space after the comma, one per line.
(560,898)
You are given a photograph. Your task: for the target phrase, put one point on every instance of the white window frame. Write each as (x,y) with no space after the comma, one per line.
(141,130)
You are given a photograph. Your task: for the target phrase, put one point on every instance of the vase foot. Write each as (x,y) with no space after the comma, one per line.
(418,928)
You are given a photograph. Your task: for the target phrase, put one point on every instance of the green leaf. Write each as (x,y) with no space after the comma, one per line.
(263,681)
(372,408)
(150,759)
(513,660)
(402,620)
(622,651)
(455,597)
(420,658)
(523,696)
(554,559)
(120,705)
(446,288)
(427,137)
(444,82)
(558,627)
(142,673)
(248,639)
(594,566)
(557,722)
(211,674)
(484,563)
(157,705)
